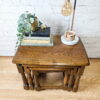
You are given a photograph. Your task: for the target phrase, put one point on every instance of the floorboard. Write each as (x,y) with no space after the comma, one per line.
(11,87)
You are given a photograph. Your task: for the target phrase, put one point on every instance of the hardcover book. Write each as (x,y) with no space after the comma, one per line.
(40,33)
(34,42)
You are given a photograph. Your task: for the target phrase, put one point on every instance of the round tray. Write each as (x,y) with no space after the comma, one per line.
(65,41)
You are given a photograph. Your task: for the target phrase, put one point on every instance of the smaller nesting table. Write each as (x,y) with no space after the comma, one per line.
(70,60)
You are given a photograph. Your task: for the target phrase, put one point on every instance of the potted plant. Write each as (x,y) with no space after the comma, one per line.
(28,24)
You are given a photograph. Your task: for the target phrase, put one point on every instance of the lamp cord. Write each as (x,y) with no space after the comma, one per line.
(73,17)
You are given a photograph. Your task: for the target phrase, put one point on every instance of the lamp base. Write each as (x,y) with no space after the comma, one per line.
(65,41)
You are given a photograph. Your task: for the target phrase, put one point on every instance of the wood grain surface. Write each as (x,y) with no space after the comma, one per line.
(59,54)
(11,86)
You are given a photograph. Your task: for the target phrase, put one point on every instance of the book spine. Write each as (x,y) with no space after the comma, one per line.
(35,41)
(36,38)
(31,44)
(38,42)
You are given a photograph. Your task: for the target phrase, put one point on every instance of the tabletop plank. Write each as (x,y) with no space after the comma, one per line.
(59,54)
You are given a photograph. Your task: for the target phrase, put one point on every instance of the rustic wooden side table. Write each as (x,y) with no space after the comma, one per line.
(70,60)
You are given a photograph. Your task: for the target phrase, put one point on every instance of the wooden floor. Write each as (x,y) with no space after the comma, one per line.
(11,87)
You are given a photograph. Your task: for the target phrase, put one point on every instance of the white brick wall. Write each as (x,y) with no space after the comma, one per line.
(87,21)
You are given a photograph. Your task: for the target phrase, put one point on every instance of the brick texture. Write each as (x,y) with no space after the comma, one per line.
(87,21)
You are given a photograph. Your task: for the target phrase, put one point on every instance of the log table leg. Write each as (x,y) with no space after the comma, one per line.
(29,78)
(21,71)
(36,80)
(78,76)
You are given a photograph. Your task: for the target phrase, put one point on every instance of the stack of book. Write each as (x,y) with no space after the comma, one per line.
(38,38)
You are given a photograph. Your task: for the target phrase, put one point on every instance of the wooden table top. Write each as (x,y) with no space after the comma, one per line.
(59,54)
